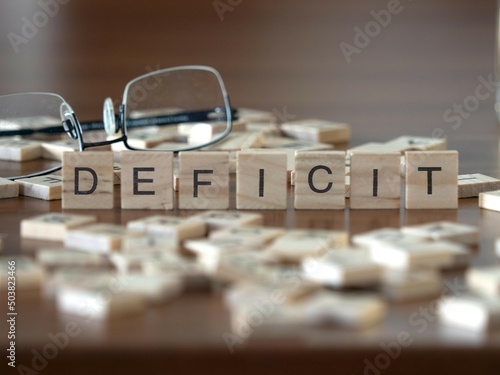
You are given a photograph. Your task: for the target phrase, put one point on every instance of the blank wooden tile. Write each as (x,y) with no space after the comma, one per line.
(146,180)
(445,230)
(203,180)
(226,219)
(17,149)
(55,150)
(99,238)
(375,181)
(53,226)
(314,130)
(431,179)
(298,244)
(436,254)
(320,180)
(146,139)
(261,180)
(490,200)
(46,187)
(8,188)
(474,313)
(128,262)
(242,266)
(87,180)
(411,143)
(176,228)
(29,275)
(484,281)
(63,258)
(351,310)
(149,243)
(470,185)
(257,116)
(411,285)
(343,268)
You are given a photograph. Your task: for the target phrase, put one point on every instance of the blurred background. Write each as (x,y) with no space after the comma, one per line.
(298,58)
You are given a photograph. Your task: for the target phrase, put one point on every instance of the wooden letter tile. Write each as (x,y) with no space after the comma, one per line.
(226,219)
(314,130)
(320,180)
(176,228)
(8,188)
(46,187)
(87,180)
(470,185)
(146,180)
(445,230)
(53,226)
(375,180)
(203,180)
(55,150)
(261,180)
(431,179)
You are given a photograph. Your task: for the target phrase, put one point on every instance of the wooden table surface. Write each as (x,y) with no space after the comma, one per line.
(282,56)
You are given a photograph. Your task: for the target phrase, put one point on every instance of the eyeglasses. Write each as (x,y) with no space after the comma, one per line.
(175,109)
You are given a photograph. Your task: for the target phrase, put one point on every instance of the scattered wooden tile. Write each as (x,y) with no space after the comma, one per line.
(445,230)
(156,289)
(490,200)
(203,180)
(228,219)
(28,274)
(146,180)
(258,235)
(411,143)
(97,302)
(261,180)
(278,142)
(437,254)
(17,149)
(320,180)
(383,236)
(87,180)
(147,139)
(470,185)
(478,314)
(53,226)
(239,141)
(352,310)
(55,150)
(431,180)
(64,258)
(46,187)
(345,267)
(150,243)
(297,244)
(484,281)
(416,284)
(127,262)
(98,238)
(375,182)
(314,130)
(257,116)
(176,228)
(8,188)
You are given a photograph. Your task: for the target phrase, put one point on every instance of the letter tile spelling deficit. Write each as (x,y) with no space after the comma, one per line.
(87,180)
(431,179)
(320,180)
(375,180)
(203,180)
(261,180)
(146,180)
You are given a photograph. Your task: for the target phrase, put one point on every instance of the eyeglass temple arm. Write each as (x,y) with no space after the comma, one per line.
(194,116)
